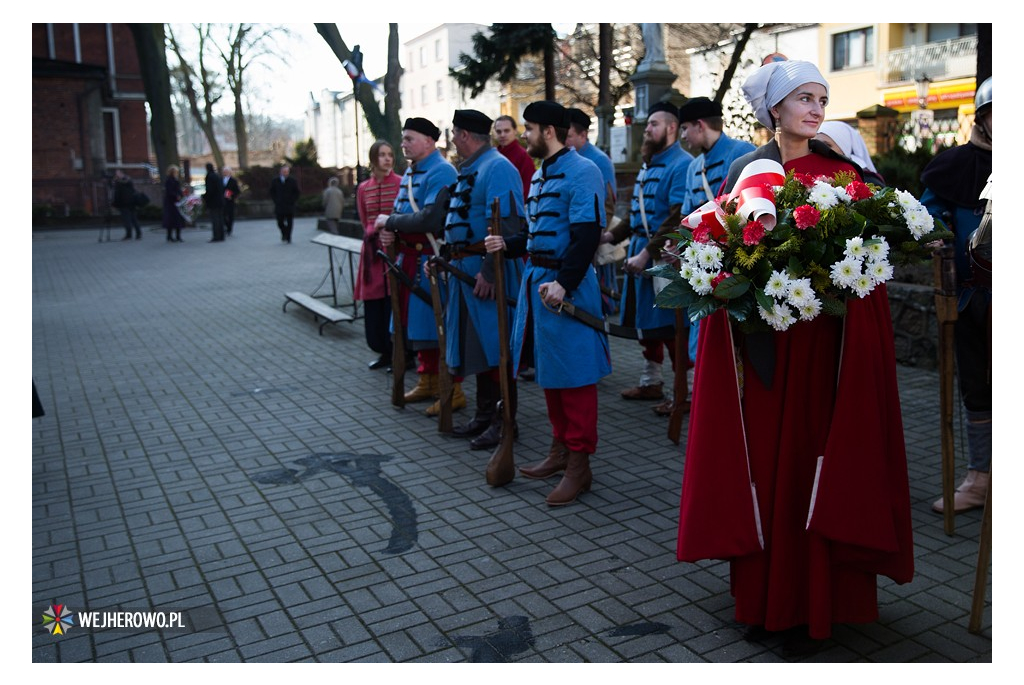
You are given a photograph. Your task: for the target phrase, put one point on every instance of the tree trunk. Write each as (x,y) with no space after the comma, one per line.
(734,62)
(604,87)
(393,96)
(156,80)
(241,134)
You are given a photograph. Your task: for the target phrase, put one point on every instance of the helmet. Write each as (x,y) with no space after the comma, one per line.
(983,95)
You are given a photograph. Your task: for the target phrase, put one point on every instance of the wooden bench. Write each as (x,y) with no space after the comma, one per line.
(319,309)
(352,248)
(313,302)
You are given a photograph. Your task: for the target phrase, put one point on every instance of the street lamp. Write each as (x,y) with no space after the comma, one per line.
(922,83)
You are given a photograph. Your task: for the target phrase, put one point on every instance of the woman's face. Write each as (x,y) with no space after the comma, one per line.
(385,158)
(801,112)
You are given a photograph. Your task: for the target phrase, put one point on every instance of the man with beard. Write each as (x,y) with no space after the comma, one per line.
(471,320)
(419,212)
(658,197)
(566,216)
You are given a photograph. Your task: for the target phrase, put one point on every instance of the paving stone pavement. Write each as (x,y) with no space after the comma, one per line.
(204,450)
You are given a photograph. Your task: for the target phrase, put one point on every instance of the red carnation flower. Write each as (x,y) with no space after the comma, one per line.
(753,232)
(806,216)
(722,275)
(806,179)
(858,191)
(702,234)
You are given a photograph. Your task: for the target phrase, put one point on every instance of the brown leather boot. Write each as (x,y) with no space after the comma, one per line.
(557,460)
(426,388)
(458,401)
(970,495)
(577,479)
(644,392)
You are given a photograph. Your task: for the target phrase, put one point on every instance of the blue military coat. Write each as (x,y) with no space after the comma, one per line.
(427,178)
(663,181)
(566,190)
(486,176)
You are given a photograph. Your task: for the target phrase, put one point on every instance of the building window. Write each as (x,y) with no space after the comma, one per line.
(423,57)
(423,95)
(111,136)
(409,61)
(939,32)
(437,50)
(853,49)
(411,97)
(440,90)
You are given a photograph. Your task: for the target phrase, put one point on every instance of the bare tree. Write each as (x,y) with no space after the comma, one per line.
(200,84)
(149,44)
(245,45)
(583,65)
(385,125)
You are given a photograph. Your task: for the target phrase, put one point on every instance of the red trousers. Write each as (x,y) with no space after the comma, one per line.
(573,416)
(654,350)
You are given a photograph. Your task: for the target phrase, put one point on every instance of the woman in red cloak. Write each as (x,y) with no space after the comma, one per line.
(795,462)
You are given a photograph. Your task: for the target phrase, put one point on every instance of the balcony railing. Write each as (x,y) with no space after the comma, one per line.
(947,59)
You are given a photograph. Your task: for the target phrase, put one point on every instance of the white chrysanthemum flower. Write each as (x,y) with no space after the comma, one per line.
(701,283)
(855,248)
(906,200)
(809,309)
(710,257)
(877,249)
(777,285)
(686,271)
(690,253)
(771,318)
(880,272)
(841,194)
(822,196)
(863,285)
(919,221)
(800,292)
(786,318)
(845,272)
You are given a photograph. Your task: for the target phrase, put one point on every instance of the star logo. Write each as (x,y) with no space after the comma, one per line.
(58,619)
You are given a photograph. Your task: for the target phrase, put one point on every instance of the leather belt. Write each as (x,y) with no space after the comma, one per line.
(545,262)
(411,246)
(476,249)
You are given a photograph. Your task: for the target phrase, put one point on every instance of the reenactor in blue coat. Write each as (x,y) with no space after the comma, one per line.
(565,211)
(471,318)
(419,214)
(579,138)
(658,197)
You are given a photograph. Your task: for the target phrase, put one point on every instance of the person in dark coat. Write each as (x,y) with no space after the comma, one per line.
(231,193)
(124,202)
(284,191)
(173,221)
(213,198)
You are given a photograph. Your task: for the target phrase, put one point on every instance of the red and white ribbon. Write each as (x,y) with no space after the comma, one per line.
(711,214)
(755,193)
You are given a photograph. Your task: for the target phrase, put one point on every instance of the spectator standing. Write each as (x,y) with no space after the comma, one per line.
(213,199)
(284,191)
(505,131)
(125,203)
(333,201)
(173,220)
(231,193)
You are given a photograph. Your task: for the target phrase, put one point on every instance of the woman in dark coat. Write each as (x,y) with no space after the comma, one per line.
(173,221)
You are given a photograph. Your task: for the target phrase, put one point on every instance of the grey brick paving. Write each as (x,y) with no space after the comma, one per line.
(176,391)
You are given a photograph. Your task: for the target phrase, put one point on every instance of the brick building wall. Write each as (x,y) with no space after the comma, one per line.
(88,114)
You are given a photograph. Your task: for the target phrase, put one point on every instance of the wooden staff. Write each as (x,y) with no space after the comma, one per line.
(946,313)
(444,419)
(501,469)
(398,346)
(984,556)
(675,419)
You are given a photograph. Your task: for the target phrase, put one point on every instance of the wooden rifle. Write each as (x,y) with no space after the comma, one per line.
(501,468)
(444,419)
(679,408)
(398,345)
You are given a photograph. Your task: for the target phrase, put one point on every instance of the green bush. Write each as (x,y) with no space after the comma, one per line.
(310,204)
(150,212)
